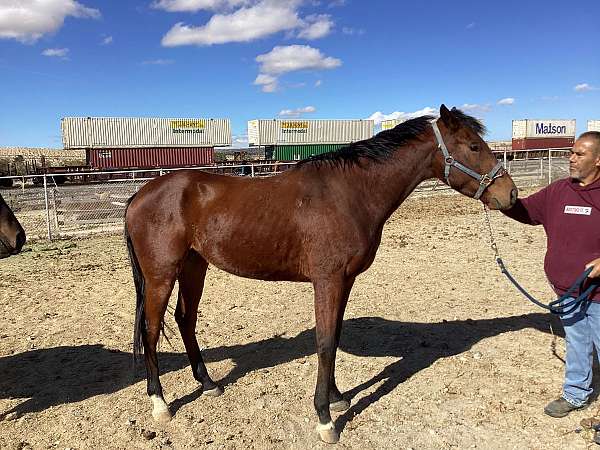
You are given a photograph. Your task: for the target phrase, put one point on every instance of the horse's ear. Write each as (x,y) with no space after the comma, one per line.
(448,118)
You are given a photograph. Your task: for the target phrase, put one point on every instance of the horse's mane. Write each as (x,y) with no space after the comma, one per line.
(381,146)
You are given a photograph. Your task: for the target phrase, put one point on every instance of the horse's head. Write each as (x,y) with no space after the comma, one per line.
(12,235)
(466,163)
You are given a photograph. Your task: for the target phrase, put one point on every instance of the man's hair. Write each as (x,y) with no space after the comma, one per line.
(594,136)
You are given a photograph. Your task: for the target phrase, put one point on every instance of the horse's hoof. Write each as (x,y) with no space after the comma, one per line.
(339,406)
(214,392)
(328,434)
(163,416)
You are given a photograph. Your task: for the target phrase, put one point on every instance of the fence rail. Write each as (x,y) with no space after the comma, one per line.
(80,208)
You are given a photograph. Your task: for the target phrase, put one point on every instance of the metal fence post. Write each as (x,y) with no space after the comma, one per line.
(47,208)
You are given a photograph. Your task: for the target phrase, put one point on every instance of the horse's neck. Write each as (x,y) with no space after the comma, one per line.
(383,186)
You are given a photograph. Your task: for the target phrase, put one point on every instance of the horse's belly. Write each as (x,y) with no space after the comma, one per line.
(251,261)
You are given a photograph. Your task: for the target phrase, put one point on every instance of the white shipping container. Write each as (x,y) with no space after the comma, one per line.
(538,128)
(276,131)
(391,123)
(125,132)
(593,125)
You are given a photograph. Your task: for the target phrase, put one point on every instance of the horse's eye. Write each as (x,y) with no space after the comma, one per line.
(475,147)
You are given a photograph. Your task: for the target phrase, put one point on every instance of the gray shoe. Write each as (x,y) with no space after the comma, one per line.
(560,408)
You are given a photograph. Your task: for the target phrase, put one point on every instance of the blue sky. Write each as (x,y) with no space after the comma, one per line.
(250,59)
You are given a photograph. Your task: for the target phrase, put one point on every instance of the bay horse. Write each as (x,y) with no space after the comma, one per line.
(12,235)
(319,222)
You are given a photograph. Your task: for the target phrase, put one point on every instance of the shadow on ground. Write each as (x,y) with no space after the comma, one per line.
(59,375)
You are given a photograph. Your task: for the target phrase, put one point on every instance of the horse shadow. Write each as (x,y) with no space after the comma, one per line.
(61,375)
(68,374)
(416,345)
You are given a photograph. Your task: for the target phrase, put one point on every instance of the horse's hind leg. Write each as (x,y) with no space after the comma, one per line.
(155,305)
(191,283)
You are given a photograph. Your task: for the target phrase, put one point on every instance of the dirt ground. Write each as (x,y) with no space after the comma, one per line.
(438,350)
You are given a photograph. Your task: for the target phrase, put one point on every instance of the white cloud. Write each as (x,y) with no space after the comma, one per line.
(475,108)
(158,62)
(318,83)
(268,82)
(316,26)
(379,117)
(296,112)
(197,5)
(240,139)
(470,26)
(107,40)
(290,58)
(506,101)
(246,24)
(351,31)
(28,20)
(253,19)
(584,87)
(56,52)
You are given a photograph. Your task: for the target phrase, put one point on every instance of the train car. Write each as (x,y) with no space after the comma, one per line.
(145,142)
(541,134)
(292,140)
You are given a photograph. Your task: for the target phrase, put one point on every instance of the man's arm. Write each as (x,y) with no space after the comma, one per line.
(519,213)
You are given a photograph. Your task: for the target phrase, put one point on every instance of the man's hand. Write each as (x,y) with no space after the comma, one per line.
(596,271)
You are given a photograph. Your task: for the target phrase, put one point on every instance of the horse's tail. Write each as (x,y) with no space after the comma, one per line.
(139,328)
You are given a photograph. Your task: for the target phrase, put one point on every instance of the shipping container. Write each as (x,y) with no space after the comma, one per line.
(593,125)
(300,132)
(389,124)
(542,143)
(534,128)
(298,152)
(139,132)
(129,158)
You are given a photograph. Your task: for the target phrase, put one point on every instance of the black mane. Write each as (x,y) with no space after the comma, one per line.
(379,147)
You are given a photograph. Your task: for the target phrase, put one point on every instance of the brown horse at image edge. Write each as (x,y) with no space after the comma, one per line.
(12,235)
(319,222)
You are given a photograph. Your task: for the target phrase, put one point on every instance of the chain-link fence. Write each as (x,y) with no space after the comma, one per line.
(74,205)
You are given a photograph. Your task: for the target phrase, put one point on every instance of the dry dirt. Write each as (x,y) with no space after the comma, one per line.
(438,350)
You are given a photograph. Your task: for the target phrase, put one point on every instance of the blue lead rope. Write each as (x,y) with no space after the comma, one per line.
(557,306)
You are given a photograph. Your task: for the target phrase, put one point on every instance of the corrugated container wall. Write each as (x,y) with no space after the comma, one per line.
(128,158)
(528,128)
(389,124)
(275,132)
(298,152)
(542,143)
(593,125)
(137,132)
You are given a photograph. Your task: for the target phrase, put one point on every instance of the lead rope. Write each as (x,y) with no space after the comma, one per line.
(560,306)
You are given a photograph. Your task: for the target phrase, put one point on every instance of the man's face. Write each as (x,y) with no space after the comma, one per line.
(584,162)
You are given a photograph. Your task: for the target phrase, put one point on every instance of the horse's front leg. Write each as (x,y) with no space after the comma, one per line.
(331,295)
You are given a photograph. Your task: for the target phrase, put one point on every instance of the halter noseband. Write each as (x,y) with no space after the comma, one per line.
(484,180)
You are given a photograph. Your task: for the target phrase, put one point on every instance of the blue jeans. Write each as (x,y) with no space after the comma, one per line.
(582,334)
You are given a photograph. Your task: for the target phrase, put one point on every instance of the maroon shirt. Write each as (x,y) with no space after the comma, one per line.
(570,214)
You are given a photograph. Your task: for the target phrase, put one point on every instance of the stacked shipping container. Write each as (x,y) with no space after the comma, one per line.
(593,125)
(288,140)
(538,134)
(131,142)
(389,124)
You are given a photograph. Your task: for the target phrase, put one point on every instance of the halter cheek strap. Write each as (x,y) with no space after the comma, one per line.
(484,180)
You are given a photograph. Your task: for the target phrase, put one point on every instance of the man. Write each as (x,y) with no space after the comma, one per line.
(569,210)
